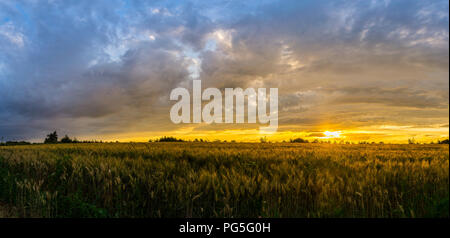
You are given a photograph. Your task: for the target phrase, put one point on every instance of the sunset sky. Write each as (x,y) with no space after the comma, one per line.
(345,70)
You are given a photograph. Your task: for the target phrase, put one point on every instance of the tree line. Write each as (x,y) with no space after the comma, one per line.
(52,138)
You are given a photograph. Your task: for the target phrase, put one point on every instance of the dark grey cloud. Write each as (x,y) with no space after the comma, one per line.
(401,97)
(81,59)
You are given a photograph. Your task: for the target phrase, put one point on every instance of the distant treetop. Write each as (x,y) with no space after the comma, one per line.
(168,139)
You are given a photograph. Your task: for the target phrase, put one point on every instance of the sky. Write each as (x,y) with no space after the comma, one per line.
(345,70)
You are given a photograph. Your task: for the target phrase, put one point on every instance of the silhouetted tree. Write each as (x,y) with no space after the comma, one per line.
(298,140)
(443,142)
(168,139)
(15,143)
(66,139)
(51,138)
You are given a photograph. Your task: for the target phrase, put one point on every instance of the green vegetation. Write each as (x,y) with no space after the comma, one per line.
(182,179)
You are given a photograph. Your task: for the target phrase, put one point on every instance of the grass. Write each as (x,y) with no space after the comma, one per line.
(186,179)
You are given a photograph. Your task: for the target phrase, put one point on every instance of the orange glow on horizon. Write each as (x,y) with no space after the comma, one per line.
(386,135)
(332,134)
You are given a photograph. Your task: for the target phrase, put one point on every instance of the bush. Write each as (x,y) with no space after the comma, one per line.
(168,139)
(298,140)
(66,139)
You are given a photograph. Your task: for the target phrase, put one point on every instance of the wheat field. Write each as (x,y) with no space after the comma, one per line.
(188,179)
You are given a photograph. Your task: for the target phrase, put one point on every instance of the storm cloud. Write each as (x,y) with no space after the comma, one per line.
(98,68)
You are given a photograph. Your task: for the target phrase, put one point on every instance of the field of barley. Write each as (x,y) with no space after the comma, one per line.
(187,179)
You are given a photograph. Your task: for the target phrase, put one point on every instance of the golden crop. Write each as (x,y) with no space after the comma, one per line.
(225,180)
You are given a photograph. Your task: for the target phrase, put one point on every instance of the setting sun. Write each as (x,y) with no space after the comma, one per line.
(332,134)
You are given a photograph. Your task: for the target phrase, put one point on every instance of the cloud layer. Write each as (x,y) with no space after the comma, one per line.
(105,69)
